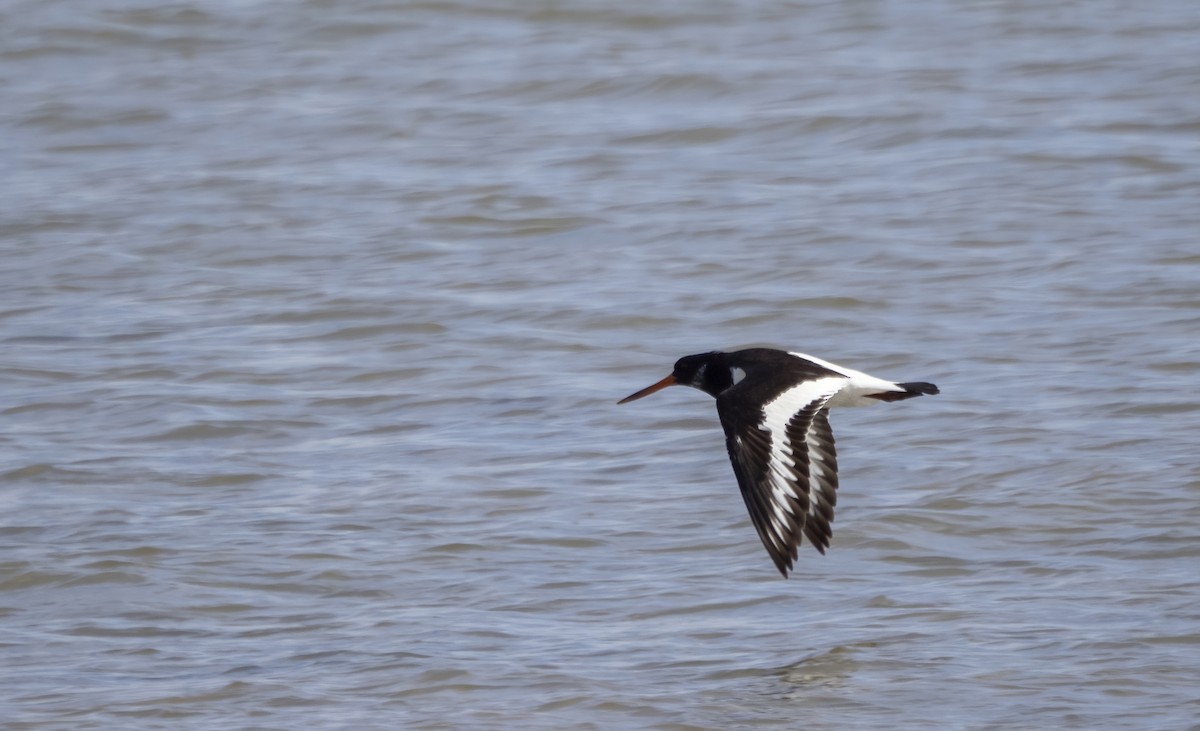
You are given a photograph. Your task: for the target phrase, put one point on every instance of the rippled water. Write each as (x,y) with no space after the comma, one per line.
(314,316)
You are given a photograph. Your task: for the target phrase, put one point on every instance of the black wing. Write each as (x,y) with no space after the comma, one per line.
(822,481)
(786,466)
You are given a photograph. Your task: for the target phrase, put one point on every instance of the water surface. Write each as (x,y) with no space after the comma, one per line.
(314,316)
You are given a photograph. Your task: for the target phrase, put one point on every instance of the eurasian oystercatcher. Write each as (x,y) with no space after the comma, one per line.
(774,407)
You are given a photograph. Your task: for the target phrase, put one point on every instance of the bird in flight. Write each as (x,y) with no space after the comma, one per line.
(774,407)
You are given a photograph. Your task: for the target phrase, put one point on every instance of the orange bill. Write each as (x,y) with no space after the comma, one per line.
(668,381)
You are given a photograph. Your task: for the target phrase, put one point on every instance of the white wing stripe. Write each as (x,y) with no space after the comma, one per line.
(781,466)
(781,491)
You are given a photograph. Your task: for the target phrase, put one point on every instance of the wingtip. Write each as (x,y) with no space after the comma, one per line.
(782,563)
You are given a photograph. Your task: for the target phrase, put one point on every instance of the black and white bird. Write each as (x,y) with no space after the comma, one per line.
(774,407)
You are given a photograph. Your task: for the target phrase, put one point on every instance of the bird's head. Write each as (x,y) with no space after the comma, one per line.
(697,371)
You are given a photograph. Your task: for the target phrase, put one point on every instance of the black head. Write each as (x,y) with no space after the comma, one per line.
(705,371)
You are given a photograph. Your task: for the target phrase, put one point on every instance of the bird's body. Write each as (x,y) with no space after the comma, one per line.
(774,407)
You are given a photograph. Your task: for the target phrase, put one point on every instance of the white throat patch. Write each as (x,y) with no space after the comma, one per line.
(737,374)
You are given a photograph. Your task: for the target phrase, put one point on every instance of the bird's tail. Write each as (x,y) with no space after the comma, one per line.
(911,389)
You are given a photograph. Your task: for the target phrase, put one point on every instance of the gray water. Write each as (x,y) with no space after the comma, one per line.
(314,316)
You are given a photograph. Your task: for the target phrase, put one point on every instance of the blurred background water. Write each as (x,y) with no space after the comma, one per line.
(314,316)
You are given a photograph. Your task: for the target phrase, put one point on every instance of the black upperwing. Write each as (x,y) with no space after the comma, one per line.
(773,463)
